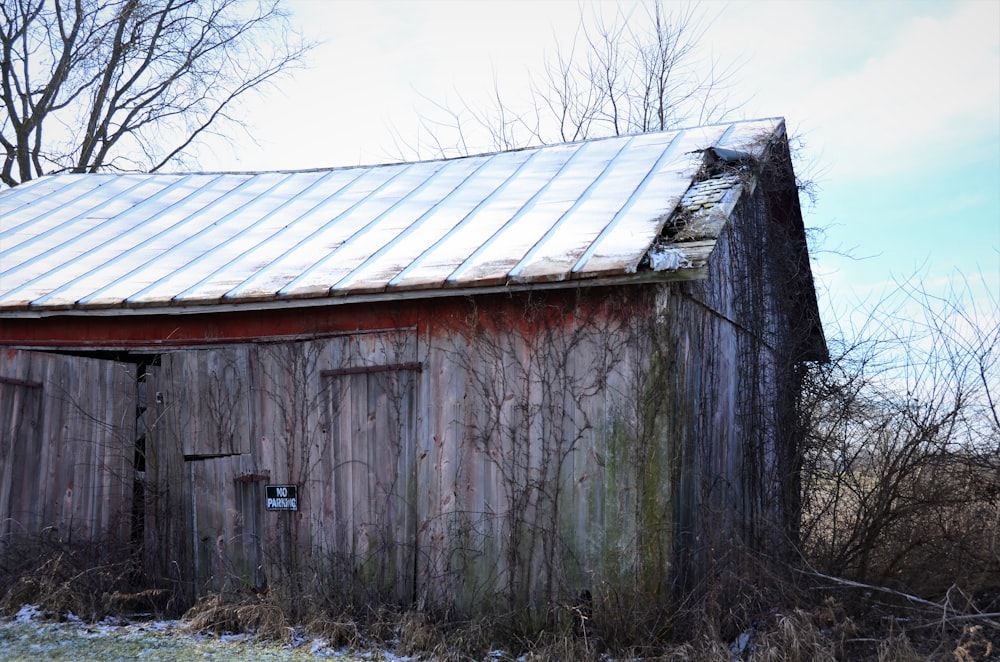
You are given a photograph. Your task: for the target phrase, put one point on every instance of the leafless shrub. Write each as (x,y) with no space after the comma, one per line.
(900,476)
(90,580)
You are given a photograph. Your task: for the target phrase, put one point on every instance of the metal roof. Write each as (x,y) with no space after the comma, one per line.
(193,242)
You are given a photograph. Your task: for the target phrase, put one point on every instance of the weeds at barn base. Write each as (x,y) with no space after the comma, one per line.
(744,613)
(92,580)
(827,631)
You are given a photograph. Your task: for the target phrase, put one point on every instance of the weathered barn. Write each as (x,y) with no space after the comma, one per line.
(503,377)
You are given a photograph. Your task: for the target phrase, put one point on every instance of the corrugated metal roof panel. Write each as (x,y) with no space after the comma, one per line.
(131,241)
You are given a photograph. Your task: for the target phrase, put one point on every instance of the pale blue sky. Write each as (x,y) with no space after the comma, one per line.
(898,104)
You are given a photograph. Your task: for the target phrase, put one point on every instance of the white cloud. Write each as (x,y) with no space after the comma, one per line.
(936,90)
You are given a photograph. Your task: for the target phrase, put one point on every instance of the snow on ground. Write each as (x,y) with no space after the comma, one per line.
(27,637)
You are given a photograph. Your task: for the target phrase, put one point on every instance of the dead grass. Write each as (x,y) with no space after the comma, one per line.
(826,631)
(340,630)
(88,580)
(743,621)
(418,634)
(973,645)
(795,638)
(258,615)
(743,612)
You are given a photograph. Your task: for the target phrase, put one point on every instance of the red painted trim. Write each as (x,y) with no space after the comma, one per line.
(152,333)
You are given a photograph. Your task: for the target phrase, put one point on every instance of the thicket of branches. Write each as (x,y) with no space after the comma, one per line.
(901,472)
(128,84)
(621,74)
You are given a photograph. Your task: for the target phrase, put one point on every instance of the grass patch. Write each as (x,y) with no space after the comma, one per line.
(75,643)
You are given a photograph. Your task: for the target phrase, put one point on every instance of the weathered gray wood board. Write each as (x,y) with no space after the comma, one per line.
(66,446)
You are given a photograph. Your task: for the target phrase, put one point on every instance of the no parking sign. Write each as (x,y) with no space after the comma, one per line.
(282,497)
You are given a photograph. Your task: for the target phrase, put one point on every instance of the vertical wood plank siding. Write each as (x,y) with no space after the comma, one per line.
(66,446)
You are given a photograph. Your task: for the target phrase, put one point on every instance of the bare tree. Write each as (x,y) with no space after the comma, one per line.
(128,84)
(629,73)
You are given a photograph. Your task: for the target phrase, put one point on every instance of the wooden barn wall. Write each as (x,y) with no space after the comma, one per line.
(66,447)
(543,475)
(737,361)
(474,455)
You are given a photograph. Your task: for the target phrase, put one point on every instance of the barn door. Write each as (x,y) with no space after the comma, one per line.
(372,440)
(206,406)
(227,506)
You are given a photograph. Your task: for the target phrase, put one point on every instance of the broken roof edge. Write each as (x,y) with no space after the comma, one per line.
(703,225)
(729,172)
(697,220)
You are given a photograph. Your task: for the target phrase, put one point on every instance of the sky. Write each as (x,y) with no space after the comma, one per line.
(896,106)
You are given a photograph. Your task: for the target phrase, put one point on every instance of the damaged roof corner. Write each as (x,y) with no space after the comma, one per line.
(698,219)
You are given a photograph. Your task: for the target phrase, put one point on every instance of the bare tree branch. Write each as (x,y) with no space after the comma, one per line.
(630,73)
(900,471)
(129,84)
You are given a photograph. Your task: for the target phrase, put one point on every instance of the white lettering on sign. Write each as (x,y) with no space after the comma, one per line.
(281,497)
